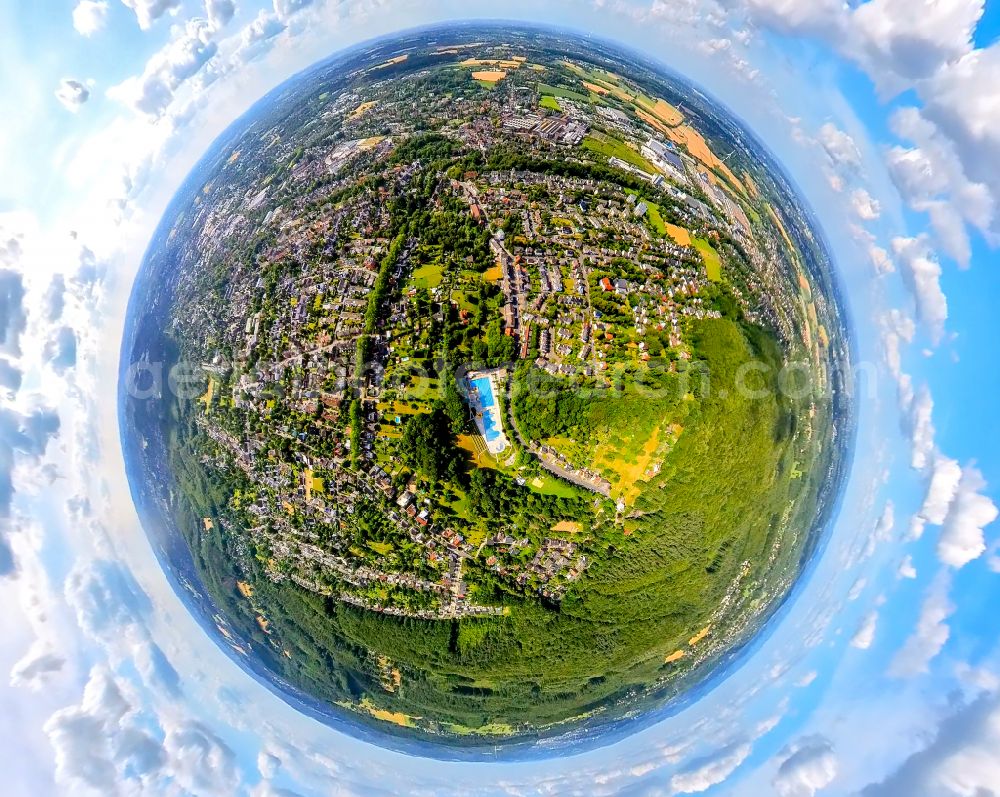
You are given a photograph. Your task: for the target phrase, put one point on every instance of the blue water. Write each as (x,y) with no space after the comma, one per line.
(485,391)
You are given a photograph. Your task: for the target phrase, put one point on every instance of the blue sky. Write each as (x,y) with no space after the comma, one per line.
(883,677)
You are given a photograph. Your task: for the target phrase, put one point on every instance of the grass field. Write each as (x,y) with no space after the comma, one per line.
(614,148)
(656,218)
(429,276)
(550,485)
(551,103)
(556,91)
(713,265)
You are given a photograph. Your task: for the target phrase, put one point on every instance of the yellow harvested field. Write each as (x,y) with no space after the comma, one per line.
(595,88)
(371,143)
(245,589)
(263,623)
(393,61)
(520,58)
(568,527)
(627,475)
(474,446)
(395,717)
(538,67)
(667,113)
(494,274)
(781,227)
(648,118)
(234,157)
(361,110)
(680,235)
(207,523)
(695,143)
(209,394)
(698,147)
(675,656)
(498,63)
(490,76)
(700,636)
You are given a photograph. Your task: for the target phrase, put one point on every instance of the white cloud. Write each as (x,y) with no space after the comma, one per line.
(949,172)
(960,761)
(919,424)
(710,771)
(287,8)
(961,107)
(900,42)
(257,37)
(941,489)
(865,635)
(219,12)
(882,532)
(922,277)
(90,16)
(180,59)
(865,205)
(200,761)
(962,539)
(807,679)
(897,328)
(72,94)
(993,563)
(880,260)
(840,148)
(148,11)
(931,179)
(809,766)
(823,17)
(34,670)
(931,634)
(82,735)
(906,568)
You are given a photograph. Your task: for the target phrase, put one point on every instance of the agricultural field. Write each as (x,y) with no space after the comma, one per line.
(557,91)
(615,148)
(713,264)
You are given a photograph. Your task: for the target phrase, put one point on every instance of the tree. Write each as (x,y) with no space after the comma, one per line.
(428,447)
(454,407)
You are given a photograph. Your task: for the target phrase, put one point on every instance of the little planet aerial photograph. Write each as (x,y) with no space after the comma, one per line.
(589,397)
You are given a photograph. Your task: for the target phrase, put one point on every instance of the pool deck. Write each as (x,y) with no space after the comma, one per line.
(500,442)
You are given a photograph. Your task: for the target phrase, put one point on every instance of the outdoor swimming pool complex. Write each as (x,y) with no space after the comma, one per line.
(488,405)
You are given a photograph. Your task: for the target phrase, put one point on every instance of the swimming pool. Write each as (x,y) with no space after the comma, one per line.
(490,421)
